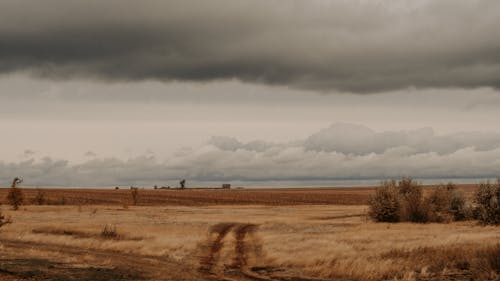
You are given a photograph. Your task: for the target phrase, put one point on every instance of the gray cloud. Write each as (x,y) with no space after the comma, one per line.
(356,46)
(359,140)
(342,151)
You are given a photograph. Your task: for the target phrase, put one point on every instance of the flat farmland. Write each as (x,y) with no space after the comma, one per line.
(268,234)
(200,196)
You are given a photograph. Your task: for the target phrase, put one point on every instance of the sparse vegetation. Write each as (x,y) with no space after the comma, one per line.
(40,198)
(291,196)
(490,257)
(4,220)
(481,263)
(109,232)
(404,201)
(446,203)
(334,242)
(134,192)
(385,205)
(487,199)
(15,196)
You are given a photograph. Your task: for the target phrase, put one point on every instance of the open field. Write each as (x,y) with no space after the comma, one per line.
(190,197)
(200,237)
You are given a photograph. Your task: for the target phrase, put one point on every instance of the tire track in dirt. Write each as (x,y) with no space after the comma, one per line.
(221,230)
(246,246)
(241,247)
(237,269)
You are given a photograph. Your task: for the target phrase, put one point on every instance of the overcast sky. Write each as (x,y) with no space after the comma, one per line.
(261,92)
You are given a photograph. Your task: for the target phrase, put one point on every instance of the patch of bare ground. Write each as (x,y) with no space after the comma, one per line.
(36,269)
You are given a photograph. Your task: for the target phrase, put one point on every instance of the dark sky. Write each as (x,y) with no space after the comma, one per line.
(353,46)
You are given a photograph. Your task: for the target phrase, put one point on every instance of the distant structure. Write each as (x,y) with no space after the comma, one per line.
(183,183)
(117,187)
(226,186)
(16,181)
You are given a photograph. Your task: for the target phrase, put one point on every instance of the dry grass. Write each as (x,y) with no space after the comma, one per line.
(332,242)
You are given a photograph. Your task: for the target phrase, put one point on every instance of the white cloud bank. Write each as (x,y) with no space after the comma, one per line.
(340,152)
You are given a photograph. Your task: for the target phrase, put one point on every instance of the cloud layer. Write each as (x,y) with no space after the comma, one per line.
(355,46)
(340,152)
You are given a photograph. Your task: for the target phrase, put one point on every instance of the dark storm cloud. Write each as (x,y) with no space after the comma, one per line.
(357,46)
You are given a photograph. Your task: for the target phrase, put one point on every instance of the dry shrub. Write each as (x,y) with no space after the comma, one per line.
(4,220)
(413,207)
(39,198)
(109,232)
(458,205)
(490,257)
(487,199)
(458,261)
(385,205)
(134,192)
(398,201)
(438,205)
(62,201)
(15,197)
(404,201)
(447,203)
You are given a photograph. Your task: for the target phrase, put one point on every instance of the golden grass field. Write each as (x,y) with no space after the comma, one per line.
(272,234)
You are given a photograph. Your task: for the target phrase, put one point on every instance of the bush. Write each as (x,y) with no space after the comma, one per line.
(458,207)
(438,205)
(404,201)
(447,203)
(398,201)
(40,198)
(413,208)
(385,205)
(488,205)
(15,197)
(109,232)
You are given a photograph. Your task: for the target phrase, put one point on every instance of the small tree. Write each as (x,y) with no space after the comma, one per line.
(15,196)
(487,199)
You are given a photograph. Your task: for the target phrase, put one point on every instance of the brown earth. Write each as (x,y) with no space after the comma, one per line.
(190,197)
